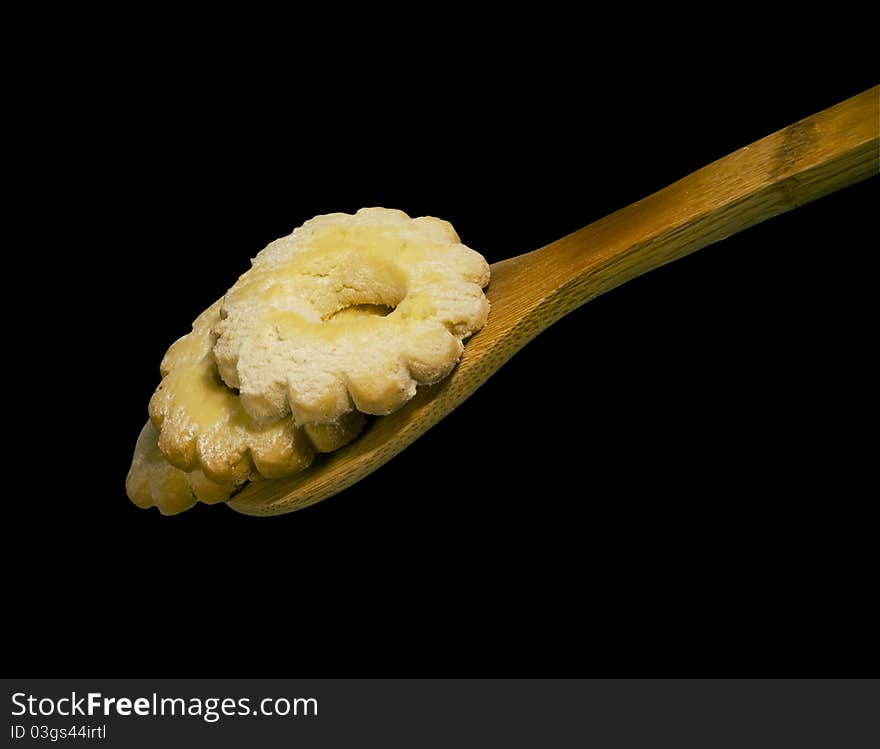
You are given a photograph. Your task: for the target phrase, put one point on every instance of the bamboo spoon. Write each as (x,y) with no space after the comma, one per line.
(528,293)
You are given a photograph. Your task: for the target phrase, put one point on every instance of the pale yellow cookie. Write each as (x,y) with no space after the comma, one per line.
(203,427)
(288,343)
(153,481)
(343,317)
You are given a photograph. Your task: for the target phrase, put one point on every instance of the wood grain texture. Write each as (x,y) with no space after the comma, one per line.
(809,159)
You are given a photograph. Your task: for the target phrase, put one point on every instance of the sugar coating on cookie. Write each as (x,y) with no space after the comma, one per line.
(349,312)
(202,426)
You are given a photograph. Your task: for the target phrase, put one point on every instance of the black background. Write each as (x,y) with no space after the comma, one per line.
(675,478)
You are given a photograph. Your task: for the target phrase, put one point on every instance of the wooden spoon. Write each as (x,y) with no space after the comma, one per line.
(809,159)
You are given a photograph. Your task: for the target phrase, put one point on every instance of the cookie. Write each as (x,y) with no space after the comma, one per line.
(288,343)
(202,425)
(153,481)
(344,317)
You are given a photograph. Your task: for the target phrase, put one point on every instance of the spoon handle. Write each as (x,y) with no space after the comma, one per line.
(811,158)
